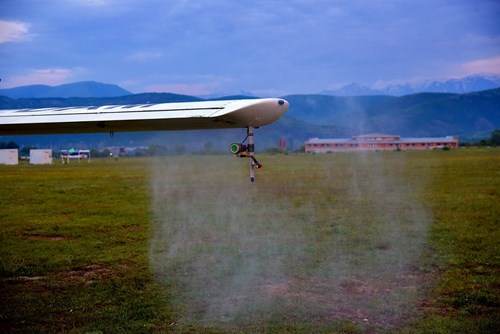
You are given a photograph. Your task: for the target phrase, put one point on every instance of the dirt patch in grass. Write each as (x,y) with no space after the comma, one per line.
(37,237)
(89,274)
(27,280)
(371,301)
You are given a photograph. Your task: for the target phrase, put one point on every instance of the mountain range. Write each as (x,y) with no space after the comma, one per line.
(468,84)
(473,83)
(471,116)
(77,89)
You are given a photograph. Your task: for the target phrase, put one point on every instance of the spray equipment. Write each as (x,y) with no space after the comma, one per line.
(243,150)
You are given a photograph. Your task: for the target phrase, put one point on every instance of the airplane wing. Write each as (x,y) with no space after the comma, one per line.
(143,117)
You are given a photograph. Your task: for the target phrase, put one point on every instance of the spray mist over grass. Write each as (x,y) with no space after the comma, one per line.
(315,239)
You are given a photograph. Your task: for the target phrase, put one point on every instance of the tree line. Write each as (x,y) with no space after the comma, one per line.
(493,140)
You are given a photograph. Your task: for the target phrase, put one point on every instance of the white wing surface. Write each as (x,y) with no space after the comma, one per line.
(143,117)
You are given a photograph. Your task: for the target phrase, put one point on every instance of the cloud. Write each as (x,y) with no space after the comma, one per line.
(50,76)
(485,65)
(11,31)
(280,46)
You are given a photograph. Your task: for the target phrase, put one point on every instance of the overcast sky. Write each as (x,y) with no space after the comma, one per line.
(268,47)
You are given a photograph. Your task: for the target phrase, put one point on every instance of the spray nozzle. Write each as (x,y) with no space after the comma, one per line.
(257,164)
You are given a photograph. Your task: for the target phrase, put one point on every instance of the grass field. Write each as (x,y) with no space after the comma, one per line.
(350,243)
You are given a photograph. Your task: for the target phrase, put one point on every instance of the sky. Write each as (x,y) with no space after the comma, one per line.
(267,47)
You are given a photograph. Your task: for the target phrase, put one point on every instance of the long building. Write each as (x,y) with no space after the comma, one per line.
(379,142)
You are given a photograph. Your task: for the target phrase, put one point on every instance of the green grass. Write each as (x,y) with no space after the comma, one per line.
(74,241)
(348,243)
(465,244)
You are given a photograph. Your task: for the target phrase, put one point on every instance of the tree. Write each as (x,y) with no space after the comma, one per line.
(12,144)
(209,147)
(495,138)
(157,150)
(25,151)
(180,149)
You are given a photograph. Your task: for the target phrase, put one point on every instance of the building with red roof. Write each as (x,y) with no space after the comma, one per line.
(379,142)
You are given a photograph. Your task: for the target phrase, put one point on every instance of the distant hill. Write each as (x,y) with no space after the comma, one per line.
(8,103)
(472,115)
(77,89)
(473,83)
(325,109)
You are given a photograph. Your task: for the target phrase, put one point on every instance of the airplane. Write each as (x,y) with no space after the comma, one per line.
(249,114)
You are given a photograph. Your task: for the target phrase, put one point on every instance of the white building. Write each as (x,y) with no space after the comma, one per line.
(40,157)
(9,156)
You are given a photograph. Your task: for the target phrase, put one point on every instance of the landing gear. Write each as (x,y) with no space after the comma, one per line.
(247,151)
